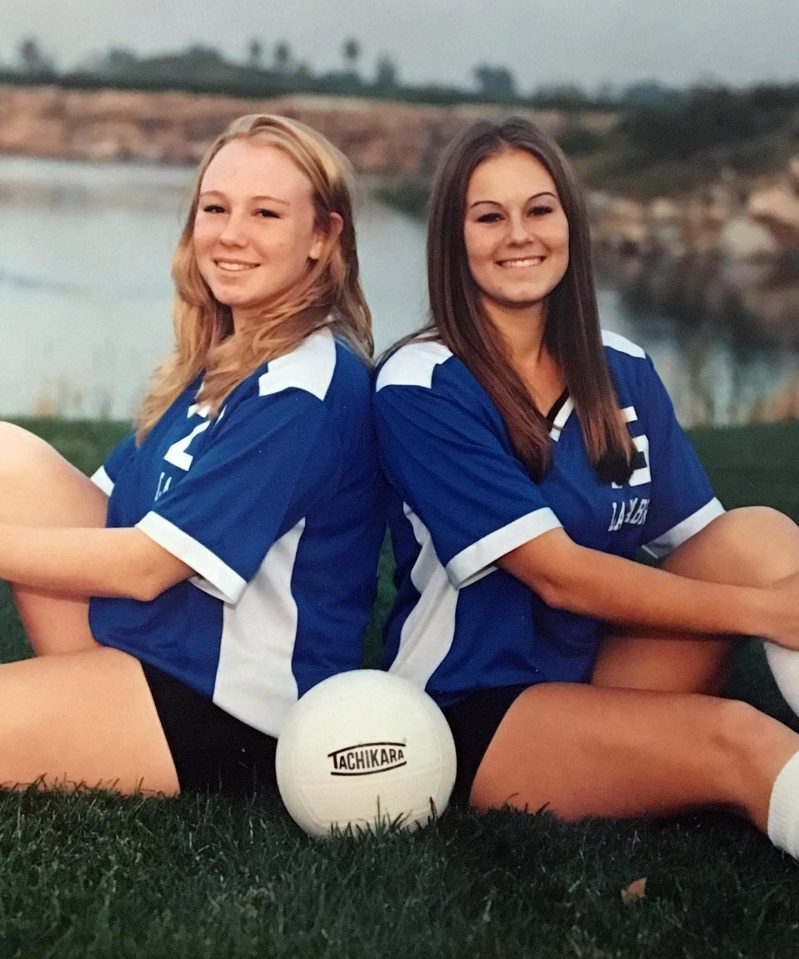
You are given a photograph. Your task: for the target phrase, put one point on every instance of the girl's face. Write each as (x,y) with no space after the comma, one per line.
(255,235)
(516,233)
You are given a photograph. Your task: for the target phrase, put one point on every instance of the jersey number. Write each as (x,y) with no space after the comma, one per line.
(641,474)
(177,455)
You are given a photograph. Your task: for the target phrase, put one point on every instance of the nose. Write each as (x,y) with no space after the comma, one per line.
(233,233)
(518,231)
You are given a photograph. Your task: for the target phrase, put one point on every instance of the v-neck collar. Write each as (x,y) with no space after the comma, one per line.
(559,413)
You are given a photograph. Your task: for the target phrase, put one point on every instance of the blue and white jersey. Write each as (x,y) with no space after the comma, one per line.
(460,499)
(276,505)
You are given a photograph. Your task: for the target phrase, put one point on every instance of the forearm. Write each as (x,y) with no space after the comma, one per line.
(568,576)
(87,561)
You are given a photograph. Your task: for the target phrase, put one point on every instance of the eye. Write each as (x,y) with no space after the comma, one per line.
(213,208)
(493,217)
(266,213)
(540,209)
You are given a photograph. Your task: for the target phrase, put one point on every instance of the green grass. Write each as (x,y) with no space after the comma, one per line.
(92,874)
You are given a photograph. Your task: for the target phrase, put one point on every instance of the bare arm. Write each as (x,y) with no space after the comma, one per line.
(88,562)
(572,577)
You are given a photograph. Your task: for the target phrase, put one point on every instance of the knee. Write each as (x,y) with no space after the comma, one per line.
(25,461)
(753,545)
(747,522)
(755,521)
(765,541)
(20,451)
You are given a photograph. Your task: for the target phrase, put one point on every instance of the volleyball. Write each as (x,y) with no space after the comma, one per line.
(365,749)
(784,665)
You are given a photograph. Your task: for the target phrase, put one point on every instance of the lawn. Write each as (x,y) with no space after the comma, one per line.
(91,874)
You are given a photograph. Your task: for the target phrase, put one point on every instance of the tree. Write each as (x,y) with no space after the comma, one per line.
(351,50)
(496,83)
(32,60)
(202,54)
(255,54)
(386,74)
(649,94)
(282,57)
(562,96)
(117,62)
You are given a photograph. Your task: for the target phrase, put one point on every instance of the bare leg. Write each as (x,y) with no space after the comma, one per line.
(755,546)
(38,487)
(85,719)
(583,751)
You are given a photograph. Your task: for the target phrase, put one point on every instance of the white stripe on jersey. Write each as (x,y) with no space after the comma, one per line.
(413,365)
(254,679)
(560,420)
(226,580)
(309,367)
(103,480)
(427,633)
(620,343)
(475,561)
(683,531)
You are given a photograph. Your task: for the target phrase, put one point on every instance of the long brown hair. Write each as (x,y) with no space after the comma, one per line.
(571,333)
(329,294)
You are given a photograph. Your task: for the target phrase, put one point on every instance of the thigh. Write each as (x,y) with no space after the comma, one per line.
(38,487)
(82,720)
(581,751)
(755,546)
(474,721)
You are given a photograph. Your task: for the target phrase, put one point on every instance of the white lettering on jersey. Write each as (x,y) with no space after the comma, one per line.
(177,455)
(164,482)
(631,513)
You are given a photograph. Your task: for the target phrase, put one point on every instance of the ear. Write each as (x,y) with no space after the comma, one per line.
(321,239)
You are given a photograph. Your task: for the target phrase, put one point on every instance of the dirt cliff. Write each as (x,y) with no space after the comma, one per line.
(740,219)
(389,139)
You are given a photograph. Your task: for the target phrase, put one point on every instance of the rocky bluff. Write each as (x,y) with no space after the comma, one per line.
(737,218)
(387,139)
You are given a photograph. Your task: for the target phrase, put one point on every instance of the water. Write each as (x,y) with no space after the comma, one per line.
(85,252)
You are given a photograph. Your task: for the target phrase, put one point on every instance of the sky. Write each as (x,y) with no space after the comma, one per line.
(542,42)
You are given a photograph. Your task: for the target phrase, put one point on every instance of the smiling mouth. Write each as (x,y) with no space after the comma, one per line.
(521,262)
(234,266)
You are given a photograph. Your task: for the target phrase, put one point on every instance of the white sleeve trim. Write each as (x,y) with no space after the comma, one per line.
(683,531)
(476,560)
(100,478)
(225,582)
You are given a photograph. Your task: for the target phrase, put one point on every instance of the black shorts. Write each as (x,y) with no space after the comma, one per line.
(473,722)
(211,749)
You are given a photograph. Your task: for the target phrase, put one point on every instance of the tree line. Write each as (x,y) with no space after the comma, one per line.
(269,69)
(650,135)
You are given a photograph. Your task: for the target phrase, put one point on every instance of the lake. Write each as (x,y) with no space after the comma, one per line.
(85,253)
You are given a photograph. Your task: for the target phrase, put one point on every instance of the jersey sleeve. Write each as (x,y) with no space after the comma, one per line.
(105,476)
(254,479)
(450,466)
(682,500)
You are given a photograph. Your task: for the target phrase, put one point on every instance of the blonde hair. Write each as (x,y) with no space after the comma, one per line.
(329,295)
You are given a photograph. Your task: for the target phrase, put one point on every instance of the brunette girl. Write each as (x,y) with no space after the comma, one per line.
(530,457)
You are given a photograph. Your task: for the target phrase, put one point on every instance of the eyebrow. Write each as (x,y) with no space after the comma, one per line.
(535,196)
(254,199)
